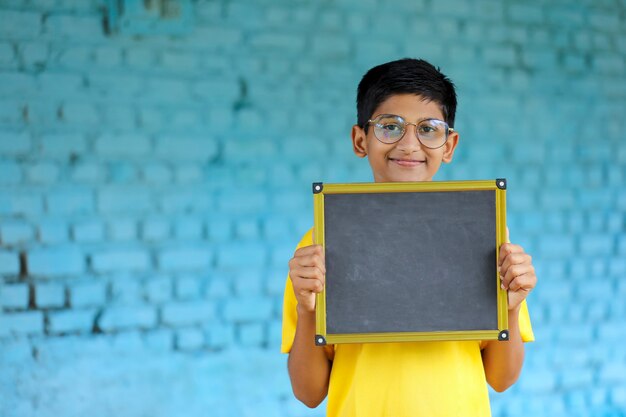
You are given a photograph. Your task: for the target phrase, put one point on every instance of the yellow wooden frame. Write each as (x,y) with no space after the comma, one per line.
(498,186)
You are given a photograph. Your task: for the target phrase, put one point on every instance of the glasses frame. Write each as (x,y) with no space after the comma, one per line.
(404,123)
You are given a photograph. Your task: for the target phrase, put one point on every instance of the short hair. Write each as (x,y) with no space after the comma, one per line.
(404,76)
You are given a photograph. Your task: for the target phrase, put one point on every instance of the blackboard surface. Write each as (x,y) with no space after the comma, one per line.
(410,262)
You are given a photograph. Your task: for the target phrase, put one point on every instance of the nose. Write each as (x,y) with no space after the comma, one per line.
(409,142)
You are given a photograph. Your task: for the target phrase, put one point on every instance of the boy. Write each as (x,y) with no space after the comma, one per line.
(406,112)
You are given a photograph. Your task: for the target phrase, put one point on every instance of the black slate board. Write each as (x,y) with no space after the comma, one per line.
(410,262)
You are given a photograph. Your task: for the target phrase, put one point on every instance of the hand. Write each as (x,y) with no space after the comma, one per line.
(516,272)
(307,271)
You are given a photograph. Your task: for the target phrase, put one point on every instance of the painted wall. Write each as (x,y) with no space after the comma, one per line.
(154,186)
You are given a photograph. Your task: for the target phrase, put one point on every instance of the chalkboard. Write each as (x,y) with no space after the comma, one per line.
(411,261)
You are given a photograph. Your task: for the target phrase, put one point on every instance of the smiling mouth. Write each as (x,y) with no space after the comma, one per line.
(407,162)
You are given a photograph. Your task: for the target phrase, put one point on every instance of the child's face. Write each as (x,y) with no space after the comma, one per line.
(407,159)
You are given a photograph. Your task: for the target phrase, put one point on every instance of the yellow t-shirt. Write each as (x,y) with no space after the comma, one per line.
(409,379)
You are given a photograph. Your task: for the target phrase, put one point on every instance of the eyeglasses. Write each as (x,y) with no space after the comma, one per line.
(431,133)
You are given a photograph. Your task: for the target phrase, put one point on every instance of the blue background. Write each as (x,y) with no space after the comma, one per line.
(155,181)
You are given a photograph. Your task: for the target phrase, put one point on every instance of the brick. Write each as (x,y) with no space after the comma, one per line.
(15,143)
(49,295)
(218,287)
(251,334)
(108,57)
(15,233)
(189,339)
(499,55)
(129,259)
(248,281)
(33,54)
(167,90)
(155,229)
(596,290)
(87,294)
(213,91)
(189,173)
(526,13)
(242,201)
(10,173)
(188,287)
(11,112)
(52,231)
(44,113)
(186,148)
(71,321)
(87,173)
(185,258)
(557,246)
(126,290)
(247,229)
(57,261)
(29,322)
(87,231)
(119,318)
(558,199)
(221,335)
(123,172)
(156,174)
(188,228)
(122,229)
(7,55)
(330,47)
(612,373)
(115,199)
(185,313)
(158,341)
(63,145)
(16,84)
(247,309)
(70,201)
(14,296)
(43,173)
(242,254)
(158,289)
(74,26)
(596,245)
(80,114)
(282,42)
(60,83)
(129,145)
(608,64)
(120,117)
(75,57)
(19,24)
(185,200)
(179,62)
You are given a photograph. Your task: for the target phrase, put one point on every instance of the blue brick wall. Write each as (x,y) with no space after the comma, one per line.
(153,188)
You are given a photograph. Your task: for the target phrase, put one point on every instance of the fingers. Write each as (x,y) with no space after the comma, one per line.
(517,258)
(506,249)
(308,273)
(309,256)
(307,270)
(524,282)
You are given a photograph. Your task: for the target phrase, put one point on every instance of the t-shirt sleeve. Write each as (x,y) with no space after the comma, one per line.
(290,316)
(525,328)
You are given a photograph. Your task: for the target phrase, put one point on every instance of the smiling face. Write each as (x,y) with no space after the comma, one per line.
(407,159)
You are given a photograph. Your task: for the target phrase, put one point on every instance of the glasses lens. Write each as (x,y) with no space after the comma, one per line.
(432,133)
(389,129)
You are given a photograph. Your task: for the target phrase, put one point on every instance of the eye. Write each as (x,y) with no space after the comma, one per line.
(390,127)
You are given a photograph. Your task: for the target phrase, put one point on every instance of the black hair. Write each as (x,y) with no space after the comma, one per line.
(404,76)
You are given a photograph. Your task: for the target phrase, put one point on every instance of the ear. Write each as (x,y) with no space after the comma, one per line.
(359,142)
(450,146)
